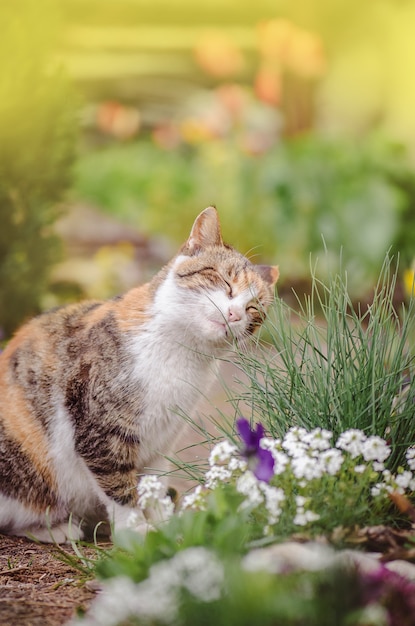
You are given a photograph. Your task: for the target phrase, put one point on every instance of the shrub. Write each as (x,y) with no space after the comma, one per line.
(37,132)
(274,206)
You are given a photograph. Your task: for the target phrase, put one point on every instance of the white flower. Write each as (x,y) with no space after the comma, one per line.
(403,479)
(300,518)
(249,486)
(332,460)
(410,457)
(274,496)
(281,460)
(196,569)
(300,501)
(311,516)
(377,489)
(294,441)
(152,495)
(307,467)
(303,518)
(270,444)
(387,476)
(352,442)
(374,614)
(359,469)
(115,603)
(156,598)
(217,474)
(318,439)
(195,500)
(378,467)
(222,453)
(296,433)
(237,464)
(121,598)
(375,449)
(388,481)
(149,488)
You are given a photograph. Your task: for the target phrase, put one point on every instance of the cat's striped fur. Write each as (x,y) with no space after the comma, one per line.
(89,393)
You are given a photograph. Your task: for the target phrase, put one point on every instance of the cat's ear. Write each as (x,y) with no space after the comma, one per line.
(269,273)
(205,231)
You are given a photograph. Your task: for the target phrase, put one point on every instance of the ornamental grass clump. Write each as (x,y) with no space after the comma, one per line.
(337,365)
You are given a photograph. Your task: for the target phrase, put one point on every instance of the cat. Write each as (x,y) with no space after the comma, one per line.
(90,392)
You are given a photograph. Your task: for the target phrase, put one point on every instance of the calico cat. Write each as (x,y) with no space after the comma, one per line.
(89,393)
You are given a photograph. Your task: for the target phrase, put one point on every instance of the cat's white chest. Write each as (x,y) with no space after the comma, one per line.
(172,377)
(174,363)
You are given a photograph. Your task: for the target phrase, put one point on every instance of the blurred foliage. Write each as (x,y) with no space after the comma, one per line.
(239,99)
(144,51)
(295,198)
(37,132)
(232,88)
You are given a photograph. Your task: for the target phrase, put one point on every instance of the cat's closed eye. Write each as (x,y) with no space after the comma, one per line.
(251,308)
(218,279)
(229,289)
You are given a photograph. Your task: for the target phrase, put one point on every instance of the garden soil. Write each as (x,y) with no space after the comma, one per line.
(36,587)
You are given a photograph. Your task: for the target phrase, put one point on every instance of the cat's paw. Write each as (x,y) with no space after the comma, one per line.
(63,533)
(131,519)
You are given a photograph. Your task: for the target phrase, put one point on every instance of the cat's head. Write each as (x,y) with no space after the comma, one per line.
(217,293)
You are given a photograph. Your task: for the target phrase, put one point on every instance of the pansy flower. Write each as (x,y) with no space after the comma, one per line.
(260,461)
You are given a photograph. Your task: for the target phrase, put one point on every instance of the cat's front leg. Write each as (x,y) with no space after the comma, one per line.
(152,507)
(120,497)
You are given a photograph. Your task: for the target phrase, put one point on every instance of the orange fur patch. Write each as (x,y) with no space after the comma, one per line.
(19,422)
(134,308)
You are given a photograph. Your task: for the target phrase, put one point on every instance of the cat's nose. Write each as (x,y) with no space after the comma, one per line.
(234,314)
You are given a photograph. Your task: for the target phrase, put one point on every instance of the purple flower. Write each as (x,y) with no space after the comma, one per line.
(392,591)
(260,461)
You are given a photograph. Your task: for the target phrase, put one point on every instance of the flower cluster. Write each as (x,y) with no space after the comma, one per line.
(390,595)
(196,571)
(259,493)
(281,485)
(152,496)
(302,474)
(299,479)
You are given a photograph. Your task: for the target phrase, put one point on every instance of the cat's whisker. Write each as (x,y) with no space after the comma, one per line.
(248,254)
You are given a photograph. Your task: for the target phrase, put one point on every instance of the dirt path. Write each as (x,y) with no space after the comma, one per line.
(36,587)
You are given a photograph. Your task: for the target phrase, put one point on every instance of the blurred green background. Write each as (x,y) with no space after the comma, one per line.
(121,119)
